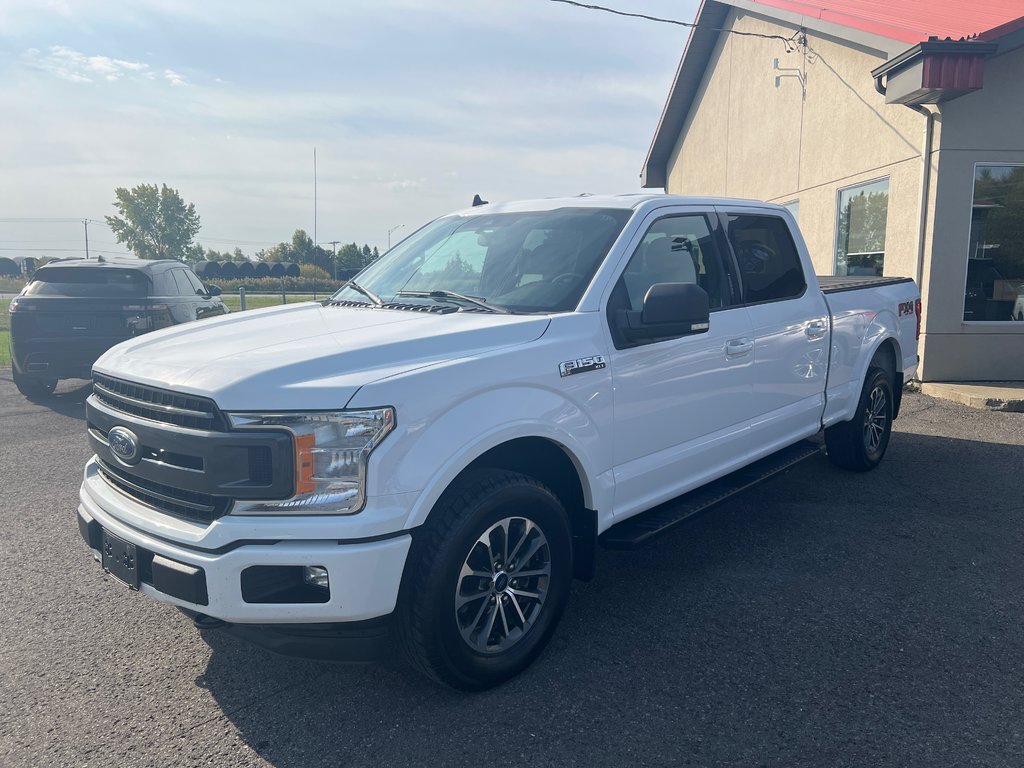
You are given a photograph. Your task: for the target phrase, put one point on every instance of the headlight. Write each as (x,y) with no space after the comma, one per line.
(331,452)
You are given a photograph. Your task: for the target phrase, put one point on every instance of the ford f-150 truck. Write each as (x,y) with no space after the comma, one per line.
(435,452)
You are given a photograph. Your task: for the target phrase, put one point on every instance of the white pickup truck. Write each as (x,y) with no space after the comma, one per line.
(436,452)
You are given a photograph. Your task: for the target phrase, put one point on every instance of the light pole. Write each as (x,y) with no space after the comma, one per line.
(389,234)
(334,244)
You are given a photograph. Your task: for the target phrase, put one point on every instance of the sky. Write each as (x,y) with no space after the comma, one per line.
(411,107)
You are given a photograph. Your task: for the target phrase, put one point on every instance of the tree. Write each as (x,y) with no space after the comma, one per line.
(155,223)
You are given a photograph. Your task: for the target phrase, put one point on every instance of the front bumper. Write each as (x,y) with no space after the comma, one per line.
(364,576)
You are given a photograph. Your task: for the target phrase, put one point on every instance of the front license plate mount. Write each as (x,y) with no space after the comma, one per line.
(120,559)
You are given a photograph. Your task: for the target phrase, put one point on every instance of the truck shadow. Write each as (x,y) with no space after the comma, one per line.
(823,614)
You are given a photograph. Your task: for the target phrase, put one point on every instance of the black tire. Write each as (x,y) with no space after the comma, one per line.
(34,388)
(455,644)
(859,444)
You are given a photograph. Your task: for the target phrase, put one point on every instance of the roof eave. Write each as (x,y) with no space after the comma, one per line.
(697,54)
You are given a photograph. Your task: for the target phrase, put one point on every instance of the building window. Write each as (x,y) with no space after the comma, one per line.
(995,257)
(860,228)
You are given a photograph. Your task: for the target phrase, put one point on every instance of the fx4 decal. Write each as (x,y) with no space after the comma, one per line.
(581,365)
(906,308)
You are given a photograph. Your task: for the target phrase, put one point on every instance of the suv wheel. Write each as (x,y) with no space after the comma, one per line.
(486,581)
(32,387)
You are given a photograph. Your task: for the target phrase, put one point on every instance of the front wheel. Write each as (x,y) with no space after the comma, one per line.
(486,581)
(859,444)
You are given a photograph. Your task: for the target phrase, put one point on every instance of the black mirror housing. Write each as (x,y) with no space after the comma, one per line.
(213,290)
(670,310)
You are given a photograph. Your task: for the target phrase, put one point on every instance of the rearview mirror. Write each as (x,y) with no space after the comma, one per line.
(213,290)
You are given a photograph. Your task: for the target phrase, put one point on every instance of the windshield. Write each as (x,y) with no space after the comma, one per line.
(88,282)
(533,262)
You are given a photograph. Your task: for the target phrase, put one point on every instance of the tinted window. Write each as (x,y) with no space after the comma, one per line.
(676,249)
(769,264)
(87,282)
(195,282)
(184,287)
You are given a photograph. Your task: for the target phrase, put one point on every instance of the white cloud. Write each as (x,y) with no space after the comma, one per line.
(76,67)
(173,77)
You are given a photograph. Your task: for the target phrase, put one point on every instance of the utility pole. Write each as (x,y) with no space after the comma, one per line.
(314,197)
(85,222)
(334,243)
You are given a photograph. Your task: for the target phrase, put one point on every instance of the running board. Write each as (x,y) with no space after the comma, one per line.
(647,526)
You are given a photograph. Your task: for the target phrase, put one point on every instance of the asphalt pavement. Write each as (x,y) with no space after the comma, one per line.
(822,619)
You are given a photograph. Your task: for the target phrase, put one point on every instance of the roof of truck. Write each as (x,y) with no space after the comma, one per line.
(624,201)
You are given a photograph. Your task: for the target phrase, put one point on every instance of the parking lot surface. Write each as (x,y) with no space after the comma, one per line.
(821,619)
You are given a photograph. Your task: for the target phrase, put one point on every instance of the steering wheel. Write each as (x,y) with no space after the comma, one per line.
(566,277)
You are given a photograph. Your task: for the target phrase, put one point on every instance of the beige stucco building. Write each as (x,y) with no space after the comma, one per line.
(832,111)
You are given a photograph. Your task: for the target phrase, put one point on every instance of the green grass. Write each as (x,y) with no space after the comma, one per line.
(5,348)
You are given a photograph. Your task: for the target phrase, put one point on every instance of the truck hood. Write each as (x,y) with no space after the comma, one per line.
(307,356)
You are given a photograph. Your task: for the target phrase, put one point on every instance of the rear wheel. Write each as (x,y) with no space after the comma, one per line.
(486,581)
(32,387)
(859,444)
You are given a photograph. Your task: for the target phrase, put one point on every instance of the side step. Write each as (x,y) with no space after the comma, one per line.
(642,528)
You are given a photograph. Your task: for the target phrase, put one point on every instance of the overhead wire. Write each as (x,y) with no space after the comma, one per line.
(790,42)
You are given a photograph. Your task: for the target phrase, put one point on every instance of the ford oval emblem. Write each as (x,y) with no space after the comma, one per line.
(124,444)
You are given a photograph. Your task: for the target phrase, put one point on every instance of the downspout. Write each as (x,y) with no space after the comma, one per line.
(926,177)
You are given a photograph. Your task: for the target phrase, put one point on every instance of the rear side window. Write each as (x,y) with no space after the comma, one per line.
(88,282)
(769,263)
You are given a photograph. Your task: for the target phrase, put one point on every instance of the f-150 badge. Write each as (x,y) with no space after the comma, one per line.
(581,365)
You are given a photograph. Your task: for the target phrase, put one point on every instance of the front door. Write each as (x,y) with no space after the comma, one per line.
(681,404)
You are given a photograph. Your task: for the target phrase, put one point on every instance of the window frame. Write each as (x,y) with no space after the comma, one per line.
(724,214)
(839,210)
(967,249)
(713,219)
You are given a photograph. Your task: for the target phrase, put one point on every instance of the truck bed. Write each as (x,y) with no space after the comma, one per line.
(838,284)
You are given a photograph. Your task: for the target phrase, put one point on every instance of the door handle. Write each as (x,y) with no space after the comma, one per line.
(736,347)
(816,329)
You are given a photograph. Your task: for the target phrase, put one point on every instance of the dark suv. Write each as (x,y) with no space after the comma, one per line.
(71,312)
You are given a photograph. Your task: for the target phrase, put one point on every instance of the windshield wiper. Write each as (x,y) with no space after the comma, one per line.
(458,297)
(377,301)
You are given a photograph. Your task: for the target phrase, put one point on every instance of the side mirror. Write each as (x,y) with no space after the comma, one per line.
(213,290)
(670,310)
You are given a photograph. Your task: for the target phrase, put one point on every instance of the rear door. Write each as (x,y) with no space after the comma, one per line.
(681,405)
(790,327)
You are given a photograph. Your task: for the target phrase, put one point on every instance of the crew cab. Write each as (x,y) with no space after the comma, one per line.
(72,311)
(436,451)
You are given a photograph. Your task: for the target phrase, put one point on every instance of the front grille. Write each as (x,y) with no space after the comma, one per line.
(188,505)
(159,405)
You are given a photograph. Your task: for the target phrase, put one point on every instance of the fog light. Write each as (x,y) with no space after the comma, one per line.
(316,576)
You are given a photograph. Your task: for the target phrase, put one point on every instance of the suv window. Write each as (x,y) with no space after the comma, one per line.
(195,282)
(768,260)
(676,249)
(88,282)
(184,287)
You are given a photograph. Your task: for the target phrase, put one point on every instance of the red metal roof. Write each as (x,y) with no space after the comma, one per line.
(913,21)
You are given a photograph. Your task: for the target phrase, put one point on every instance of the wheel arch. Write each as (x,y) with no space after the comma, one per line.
(886,356)
(556,466)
